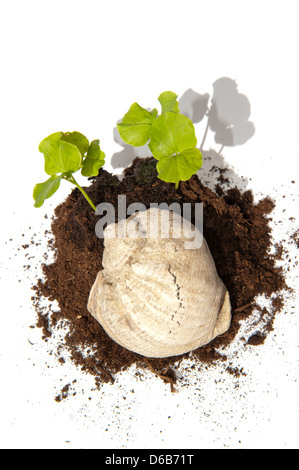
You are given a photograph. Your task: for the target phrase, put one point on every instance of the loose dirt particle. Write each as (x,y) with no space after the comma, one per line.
(237,231)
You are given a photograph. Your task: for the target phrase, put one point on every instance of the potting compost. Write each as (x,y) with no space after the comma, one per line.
(238,234)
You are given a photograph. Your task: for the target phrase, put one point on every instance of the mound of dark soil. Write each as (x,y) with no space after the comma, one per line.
(236,229)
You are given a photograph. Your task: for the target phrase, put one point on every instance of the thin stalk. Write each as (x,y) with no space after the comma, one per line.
(177,185)
(72,180)
(205,134)
(221,149)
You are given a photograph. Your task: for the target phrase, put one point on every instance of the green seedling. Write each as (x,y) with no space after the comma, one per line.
(66,153)
(171,138)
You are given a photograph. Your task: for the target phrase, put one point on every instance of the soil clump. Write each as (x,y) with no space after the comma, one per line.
(237,231)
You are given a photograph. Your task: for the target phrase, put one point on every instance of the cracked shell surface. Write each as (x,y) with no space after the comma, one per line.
(154,296)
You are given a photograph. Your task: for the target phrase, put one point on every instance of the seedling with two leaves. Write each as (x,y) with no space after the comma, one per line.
(171,138)
(65,154)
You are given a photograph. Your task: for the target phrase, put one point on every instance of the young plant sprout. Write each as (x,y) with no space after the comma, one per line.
(66,153)
(171,137)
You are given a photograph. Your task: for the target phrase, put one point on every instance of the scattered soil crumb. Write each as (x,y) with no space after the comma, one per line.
(237,231)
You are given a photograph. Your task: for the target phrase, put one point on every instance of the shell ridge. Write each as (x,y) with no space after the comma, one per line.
(155,297)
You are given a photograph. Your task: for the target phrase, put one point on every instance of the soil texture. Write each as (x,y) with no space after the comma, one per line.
(237,231)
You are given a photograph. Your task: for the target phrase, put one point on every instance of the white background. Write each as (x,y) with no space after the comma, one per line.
(74,65)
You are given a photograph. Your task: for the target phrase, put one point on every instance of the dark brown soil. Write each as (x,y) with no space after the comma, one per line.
(237,231)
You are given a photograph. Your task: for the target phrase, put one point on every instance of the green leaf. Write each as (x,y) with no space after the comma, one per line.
(45,190)
(48,147)
(154,114)
(171,134)
(169,102)
(60,156)
(179,167)
(78,139)
(94,160)
(46,143)
(135,127)
(70,156)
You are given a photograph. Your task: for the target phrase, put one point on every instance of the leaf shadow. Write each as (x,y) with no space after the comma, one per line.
(228,114)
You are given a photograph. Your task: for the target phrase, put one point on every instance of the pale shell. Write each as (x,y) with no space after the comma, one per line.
(154,296)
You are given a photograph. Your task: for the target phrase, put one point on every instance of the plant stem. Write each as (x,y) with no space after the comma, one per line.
(177,185)
(205,134)
(221,149)
(72,180)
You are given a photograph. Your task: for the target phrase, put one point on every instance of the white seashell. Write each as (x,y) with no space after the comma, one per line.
(154,296)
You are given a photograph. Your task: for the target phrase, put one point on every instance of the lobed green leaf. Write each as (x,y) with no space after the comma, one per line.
(179,167)
(94,160)
(45,190)
(49,147)
(60,156)
(169,102)
(171,134)
(135,128)
(77,139)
